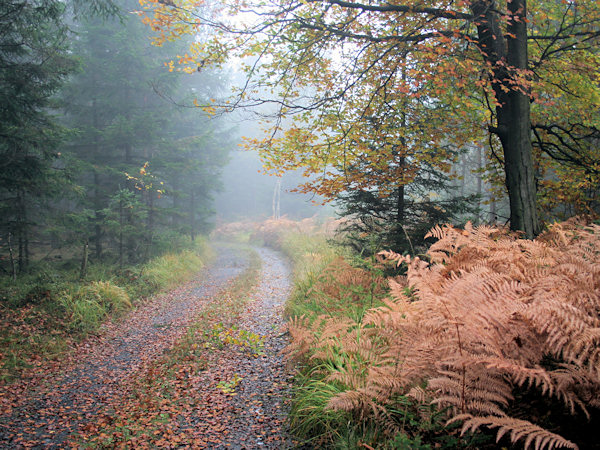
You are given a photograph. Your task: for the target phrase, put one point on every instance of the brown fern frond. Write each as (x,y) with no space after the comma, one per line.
(357,401)
(519,429)
(351,379)
(302,338)
(418,393)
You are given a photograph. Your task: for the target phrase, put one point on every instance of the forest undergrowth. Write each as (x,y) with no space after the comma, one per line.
(485,341)
(43,315)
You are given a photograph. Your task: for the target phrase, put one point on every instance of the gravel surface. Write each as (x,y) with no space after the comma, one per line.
(255,417)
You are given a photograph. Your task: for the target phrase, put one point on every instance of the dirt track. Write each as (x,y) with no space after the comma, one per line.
(52,408)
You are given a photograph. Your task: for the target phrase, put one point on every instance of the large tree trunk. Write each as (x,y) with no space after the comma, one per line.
(508,56)
(518,156)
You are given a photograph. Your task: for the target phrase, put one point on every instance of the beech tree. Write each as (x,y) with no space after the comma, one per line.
(493,69)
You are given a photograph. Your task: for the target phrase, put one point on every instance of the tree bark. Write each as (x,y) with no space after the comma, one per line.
(518,155)
(508,56)
(400,206)
(84,260)
(13,267)
(97,189)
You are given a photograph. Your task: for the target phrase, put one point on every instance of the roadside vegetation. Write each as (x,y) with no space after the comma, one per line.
(47,311)
(483,340)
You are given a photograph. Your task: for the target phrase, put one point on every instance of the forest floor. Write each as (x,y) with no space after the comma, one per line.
(198,367)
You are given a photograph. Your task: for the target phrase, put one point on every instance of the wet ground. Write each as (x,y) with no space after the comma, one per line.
(47,410)
(255,417)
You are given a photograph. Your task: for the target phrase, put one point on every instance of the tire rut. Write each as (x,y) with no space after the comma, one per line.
(255,418)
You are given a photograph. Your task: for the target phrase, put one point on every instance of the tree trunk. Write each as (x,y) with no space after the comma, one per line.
(400,206)
(192,215)
(508,56)
(84,260)
(277,199)
(13,267)
(131,243)
(21,230)
(463,174)
(97,216)
(518,155)
(176,211)
(493,219)
(121,225)
(97,192)
(150,223)
(400,202)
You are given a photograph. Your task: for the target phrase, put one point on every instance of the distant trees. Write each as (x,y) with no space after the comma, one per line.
(144,164)
(79,110)
(33,65)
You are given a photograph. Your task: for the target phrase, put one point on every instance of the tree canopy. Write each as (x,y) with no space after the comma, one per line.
(525,80)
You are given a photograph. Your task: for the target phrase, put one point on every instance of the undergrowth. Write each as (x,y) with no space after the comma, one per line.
(489,335)
(44,313)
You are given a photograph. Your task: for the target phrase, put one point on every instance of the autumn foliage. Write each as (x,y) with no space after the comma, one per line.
(393,87)
(482,321)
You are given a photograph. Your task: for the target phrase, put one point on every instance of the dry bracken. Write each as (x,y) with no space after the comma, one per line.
(485,314)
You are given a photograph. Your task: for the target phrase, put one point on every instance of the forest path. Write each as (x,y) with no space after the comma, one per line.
(96,377)
(254,416)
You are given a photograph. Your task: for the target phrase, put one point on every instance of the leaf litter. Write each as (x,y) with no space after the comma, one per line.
(194,368)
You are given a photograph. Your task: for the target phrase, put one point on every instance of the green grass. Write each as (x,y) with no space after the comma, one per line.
(88,306)
(309,254)
(173,269)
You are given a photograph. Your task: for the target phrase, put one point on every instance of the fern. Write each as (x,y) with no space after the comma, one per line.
(486,312)
(519,429)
